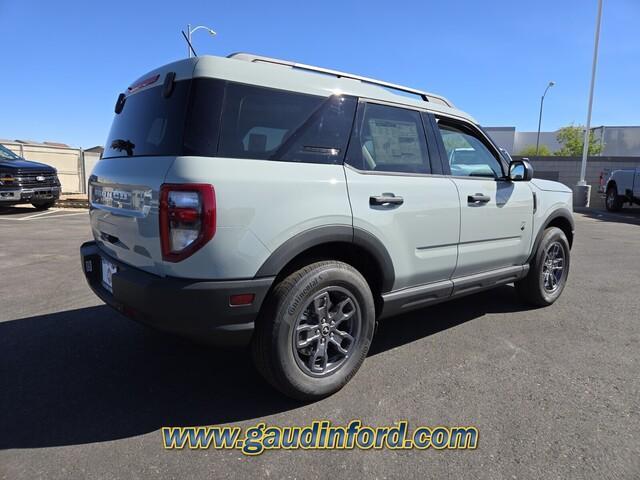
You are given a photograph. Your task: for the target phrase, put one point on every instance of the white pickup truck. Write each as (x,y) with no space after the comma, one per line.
(621,187)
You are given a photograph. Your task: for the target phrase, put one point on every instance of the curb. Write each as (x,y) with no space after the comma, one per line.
(72,203)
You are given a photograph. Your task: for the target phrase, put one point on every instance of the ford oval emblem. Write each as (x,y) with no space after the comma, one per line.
(40,178)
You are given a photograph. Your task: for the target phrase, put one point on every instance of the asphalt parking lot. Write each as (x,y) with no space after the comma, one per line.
(554,392)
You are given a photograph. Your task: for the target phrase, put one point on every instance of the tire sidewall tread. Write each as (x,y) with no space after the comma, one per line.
(530,288)
(273,352)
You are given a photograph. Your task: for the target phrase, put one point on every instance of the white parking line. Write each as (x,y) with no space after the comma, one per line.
(48,212)
(69,215)
(44,215)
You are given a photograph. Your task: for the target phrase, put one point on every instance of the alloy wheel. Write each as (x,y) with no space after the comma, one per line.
(553,267)
(326,331)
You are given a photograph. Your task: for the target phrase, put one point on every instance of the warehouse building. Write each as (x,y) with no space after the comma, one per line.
(618,141)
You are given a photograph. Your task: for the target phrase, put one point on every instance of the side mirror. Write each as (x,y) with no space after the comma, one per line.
(520,170)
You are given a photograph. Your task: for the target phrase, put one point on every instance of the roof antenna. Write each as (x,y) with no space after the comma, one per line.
(189,43)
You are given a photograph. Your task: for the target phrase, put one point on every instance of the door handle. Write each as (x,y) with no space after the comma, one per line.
(478,198)
(386,199)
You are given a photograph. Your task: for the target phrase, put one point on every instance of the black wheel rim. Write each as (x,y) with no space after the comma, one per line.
(553,267)
(326,331)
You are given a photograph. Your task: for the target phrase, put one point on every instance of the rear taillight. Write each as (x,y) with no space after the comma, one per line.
(187,219)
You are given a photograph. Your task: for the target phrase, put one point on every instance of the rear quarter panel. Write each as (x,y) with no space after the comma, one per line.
(260,204)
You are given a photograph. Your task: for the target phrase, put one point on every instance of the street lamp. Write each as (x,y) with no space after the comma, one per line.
(551,84)
(190,32)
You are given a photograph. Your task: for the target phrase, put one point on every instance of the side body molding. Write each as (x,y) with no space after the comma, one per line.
(412,298)
(319,236)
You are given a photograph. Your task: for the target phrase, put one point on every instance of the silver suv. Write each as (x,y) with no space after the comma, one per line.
(249,200)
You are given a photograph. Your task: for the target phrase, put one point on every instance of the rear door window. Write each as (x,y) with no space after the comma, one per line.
(389,139)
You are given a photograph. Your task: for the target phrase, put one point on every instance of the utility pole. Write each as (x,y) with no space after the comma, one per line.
(583,190)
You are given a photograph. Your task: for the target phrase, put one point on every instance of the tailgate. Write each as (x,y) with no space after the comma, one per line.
(124,197)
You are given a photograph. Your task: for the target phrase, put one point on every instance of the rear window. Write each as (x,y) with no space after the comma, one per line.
(149,124)
(209,117)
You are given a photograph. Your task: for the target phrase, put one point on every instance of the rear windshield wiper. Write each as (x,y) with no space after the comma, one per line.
(123,145)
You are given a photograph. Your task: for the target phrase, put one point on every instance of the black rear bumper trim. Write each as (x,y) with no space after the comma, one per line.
(194,308)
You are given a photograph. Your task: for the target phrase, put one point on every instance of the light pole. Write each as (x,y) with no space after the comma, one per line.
(551,84)
(190,32)
(587,131)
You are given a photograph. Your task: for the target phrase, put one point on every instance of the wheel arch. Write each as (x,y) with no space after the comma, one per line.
(561,218)
(354,246)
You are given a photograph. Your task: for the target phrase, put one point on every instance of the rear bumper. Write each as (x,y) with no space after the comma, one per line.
(193,308)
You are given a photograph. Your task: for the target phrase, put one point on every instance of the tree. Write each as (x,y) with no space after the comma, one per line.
(572,140)
(530,151)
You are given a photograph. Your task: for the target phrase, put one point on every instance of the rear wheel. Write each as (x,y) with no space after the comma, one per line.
(548,270)
(44,205)
(315,330)
(613,201)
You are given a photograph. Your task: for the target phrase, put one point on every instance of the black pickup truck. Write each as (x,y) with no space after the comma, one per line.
(23,181)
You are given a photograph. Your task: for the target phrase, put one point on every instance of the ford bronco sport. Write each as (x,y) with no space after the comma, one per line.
(254,201)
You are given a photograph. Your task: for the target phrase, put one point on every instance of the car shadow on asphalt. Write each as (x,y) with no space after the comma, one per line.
(18,210)
(90,375)
(626,215)
(406,328)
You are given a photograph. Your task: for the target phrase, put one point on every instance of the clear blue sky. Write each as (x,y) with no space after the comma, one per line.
(65,62)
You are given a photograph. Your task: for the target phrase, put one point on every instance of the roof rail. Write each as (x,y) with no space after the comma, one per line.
(427,97)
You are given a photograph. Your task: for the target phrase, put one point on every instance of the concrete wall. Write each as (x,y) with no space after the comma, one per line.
(567,170)
(73,165)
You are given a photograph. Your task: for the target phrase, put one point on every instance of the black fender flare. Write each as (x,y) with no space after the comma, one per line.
(560,212)
(318,236)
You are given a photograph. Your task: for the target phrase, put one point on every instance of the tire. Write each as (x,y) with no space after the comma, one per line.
(44,205)
(539,288)
(613,202)
(293,313)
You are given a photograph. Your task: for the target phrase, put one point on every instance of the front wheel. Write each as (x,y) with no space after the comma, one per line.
(613,201)
(315,330)
(548,271)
